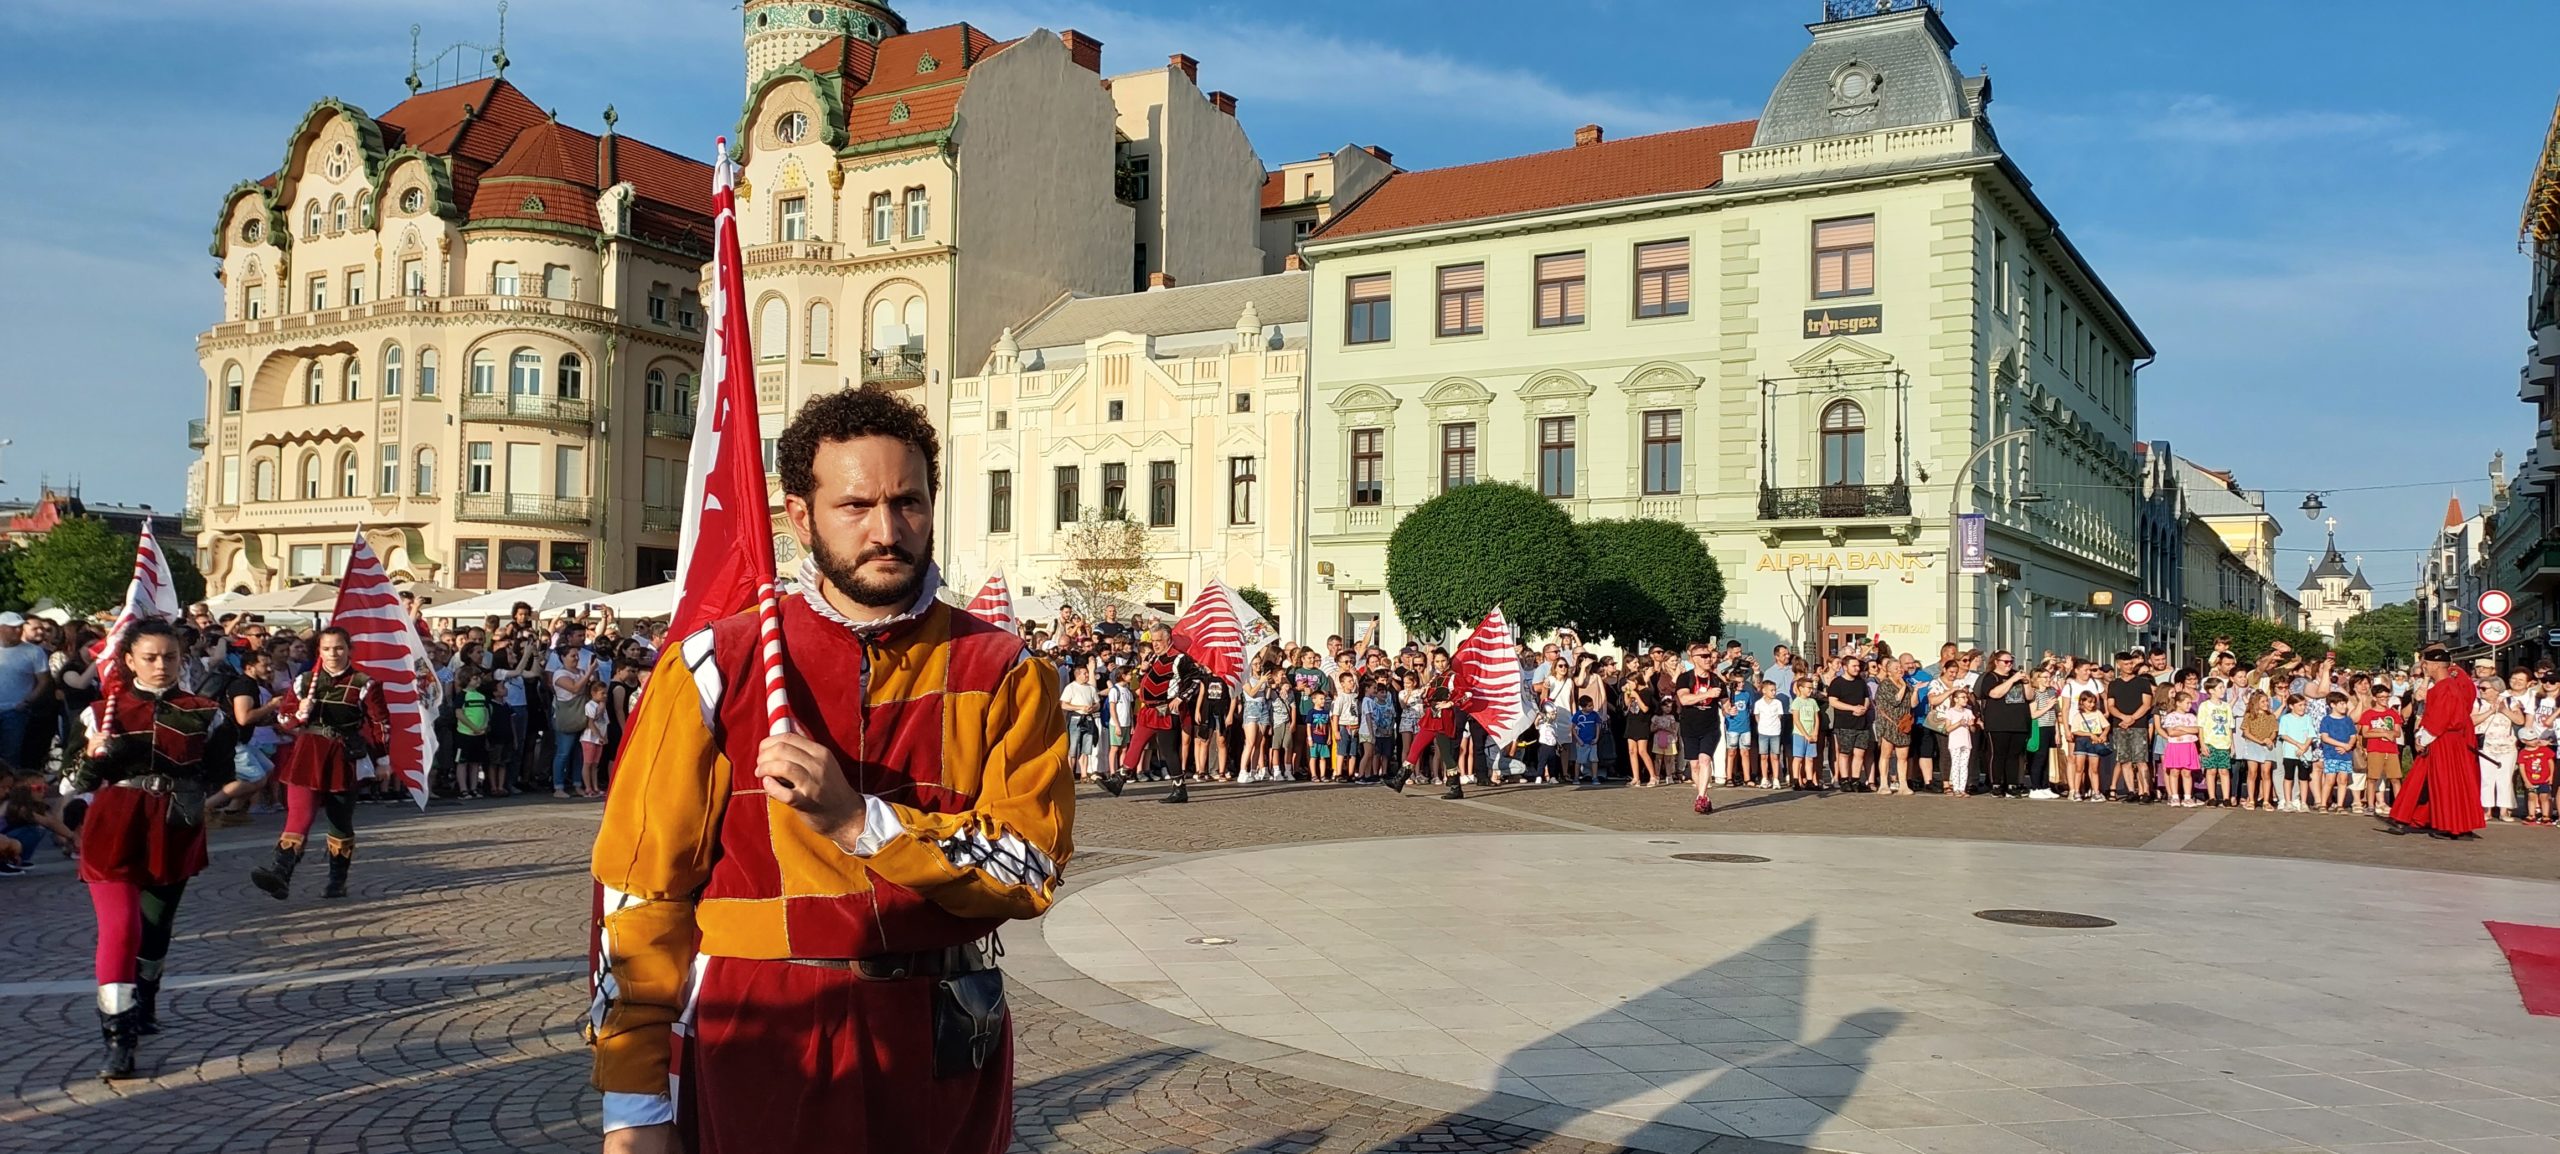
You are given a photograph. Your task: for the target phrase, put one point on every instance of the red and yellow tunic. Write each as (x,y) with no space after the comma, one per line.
(146,817)
(341,719)
(953,735)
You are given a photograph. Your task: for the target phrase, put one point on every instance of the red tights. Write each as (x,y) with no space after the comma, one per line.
(134,924)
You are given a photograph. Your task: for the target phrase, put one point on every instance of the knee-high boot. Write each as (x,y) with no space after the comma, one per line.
(276,877)
(123,1033)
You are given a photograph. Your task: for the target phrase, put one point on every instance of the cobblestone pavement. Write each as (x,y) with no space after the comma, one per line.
(438,1009)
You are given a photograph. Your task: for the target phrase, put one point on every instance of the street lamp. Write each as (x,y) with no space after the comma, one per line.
(1955,509)
(5,443)
(2313,506)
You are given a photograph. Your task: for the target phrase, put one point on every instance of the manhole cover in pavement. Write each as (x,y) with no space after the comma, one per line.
(1720,858)
(1211,941)
(2045,919)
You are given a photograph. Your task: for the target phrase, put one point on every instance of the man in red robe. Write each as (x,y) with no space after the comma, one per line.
(2442,795)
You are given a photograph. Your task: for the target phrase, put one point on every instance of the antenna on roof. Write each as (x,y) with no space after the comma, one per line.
(414,84)
(498,59)
(460,62)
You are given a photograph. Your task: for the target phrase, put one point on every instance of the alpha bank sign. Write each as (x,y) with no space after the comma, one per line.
(1846,321)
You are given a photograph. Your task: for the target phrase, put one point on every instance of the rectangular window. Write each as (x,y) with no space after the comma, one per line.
(1662,279)
(1115,410)
(884,218)
(2001,286)
(689,310)
(355,289)
(319,293)
(424,476)
(413,277)
(657,309)
(1160,494)
(1368,466)
(307,560)
(426,372)
(503,279)
(655,491)
(770,467)
(569,559)
(230,481)
(1662,451)
(1462,300)
(255,301)
(390,485)
(472,563)
(795,218)
(919,213)
(1844,257)
(1240,479)
(1555,456)
(1000,501)
(1003,419)
(555,282)
(1457,456)
(1070,493)
(1244,402)
(480,467)
(569,472)
(1368,309)
(1562,291)
(1115,490)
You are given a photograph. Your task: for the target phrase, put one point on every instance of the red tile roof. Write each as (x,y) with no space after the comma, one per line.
(1275,191)
(1685,160)
(874,80)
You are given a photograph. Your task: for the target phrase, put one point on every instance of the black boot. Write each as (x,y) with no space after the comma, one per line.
(146,1005)
(1457,790)
(123,1032)
(1113,783)
(338,866)
(1181,793)
(276,877)
(1396,780)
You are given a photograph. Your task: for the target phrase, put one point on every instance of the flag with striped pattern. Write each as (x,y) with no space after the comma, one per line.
(994,604)
(386,647)
(1485,678)
(1220,632)
(150,596)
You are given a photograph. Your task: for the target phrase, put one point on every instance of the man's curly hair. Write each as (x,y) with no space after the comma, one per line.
(868,411)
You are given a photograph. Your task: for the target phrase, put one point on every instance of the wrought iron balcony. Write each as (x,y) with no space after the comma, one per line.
(1835,502)
(524,508)
(197,436)
(676,425)
(526,407)
(654,519)
(898,367)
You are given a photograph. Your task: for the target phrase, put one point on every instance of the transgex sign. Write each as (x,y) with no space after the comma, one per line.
(1844,321)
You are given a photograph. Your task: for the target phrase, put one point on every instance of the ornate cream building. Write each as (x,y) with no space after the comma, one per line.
(1178,409)
(1793,334)
(462,325)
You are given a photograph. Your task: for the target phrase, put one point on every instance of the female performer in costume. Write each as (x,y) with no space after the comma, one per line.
(338,725)
(154,751)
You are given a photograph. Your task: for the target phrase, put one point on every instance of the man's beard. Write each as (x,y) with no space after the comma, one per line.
(848,579)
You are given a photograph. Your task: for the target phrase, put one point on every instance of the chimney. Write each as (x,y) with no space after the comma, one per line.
(1084,50)
(1384,156)
(1186,65)
(1586,135)
(1159,281)
(1293,263)
(1225,102)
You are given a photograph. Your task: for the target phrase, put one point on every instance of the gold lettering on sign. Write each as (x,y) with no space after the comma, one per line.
(1848,560)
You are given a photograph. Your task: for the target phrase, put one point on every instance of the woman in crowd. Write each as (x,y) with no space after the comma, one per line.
(1893,726)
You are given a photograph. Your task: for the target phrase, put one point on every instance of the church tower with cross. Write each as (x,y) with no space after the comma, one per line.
(2332,593)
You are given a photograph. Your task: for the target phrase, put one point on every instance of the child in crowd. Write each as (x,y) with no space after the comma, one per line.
(2178,756)
(2337,756)
(1769,730)
(2297,735)
(1377,730)
(1736,750)
(471,714)
(1320,735)
(2219,724)
(2534,763)
(2088,749)
(1956,719)
(1666,731)
(591,742)
(2255,749)
(1586,741)
(2378,755)
(1806,714)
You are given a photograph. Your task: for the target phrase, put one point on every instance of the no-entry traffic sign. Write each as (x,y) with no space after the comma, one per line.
(2137,613)
(2495,631)
(2496,603)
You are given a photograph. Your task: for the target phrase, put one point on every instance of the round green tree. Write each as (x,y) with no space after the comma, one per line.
(1473,547)
(80,565)
(1650,581)
(1260,601)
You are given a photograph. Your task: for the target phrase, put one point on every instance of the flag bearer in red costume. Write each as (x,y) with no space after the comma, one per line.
(340,722)
(154,751)
(794,927)
(2442,794)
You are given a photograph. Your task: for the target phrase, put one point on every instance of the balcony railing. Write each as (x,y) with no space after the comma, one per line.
(406,305)
(197,436)
(788,252)
(192,520)
(657,520)
(526,407)
(676,425)
(524,507)
(2542,568)
(1835,502)
(893,367)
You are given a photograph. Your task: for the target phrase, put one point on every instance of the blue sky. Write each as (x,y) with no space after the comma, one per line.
(2311,208)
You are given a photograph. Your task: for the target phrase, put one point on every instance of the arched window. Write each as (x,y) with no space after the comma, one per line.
(573,377)
(364,208)
(821,325)
(426,372)
(311,218)
(348,477)
(315,387)
(773,330)
(355,379)
(524,374)
(311,476)
(391,371)
(1844,444)
(884,316)
(657,391)
(484,373)
(426,472)
(684,392)
(914,320)
(231,389)
(262,480)
(337,214)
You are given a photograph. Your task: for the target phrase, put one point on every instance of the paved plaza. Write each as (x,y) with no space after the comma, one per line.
(1527,970)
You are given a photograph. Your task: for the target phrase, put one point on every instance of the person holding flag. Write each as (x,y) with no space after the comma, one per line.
(339,722)
(798,873)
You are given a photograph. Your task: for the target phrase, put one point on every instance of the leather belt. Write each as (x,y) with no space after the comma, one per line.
(154,783)
(943,963)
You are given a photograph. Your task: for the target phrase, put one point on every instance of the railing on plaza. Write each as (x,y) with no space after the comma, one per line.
(197,436)
(525,407)
(1835,502)
(524,507)
(892,366)
(676,425)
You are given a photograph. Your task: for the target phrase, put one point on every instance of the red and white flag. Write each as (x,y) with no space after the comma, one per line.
(385,646)
(1485,678)
(151,596)
(1220,632)
(994,604)
(724,560)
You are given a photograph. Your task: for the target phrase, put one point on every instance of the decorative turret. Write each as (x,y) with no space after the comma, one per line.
(779,32)
(1008,353)
(1873,64)
(1249,329)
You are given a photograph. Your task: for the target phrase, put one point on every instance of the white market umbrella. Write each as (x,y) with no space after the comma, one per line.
(646,603)
(316,597)
(546,598)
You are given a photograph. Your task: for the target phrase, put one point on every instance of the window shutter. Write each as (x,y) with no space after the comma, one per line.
(1848,233)
(1369,288)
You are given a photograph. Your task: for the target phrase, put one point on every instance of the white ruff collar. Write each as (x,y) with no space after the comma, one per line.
(812,589)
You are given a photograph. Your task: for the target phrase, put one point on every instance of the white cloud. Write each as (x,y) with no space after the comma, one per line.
(2213,121)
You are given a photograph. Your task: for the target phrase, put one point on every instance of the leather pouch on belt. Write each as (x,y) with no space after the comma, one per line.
(968,1021)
